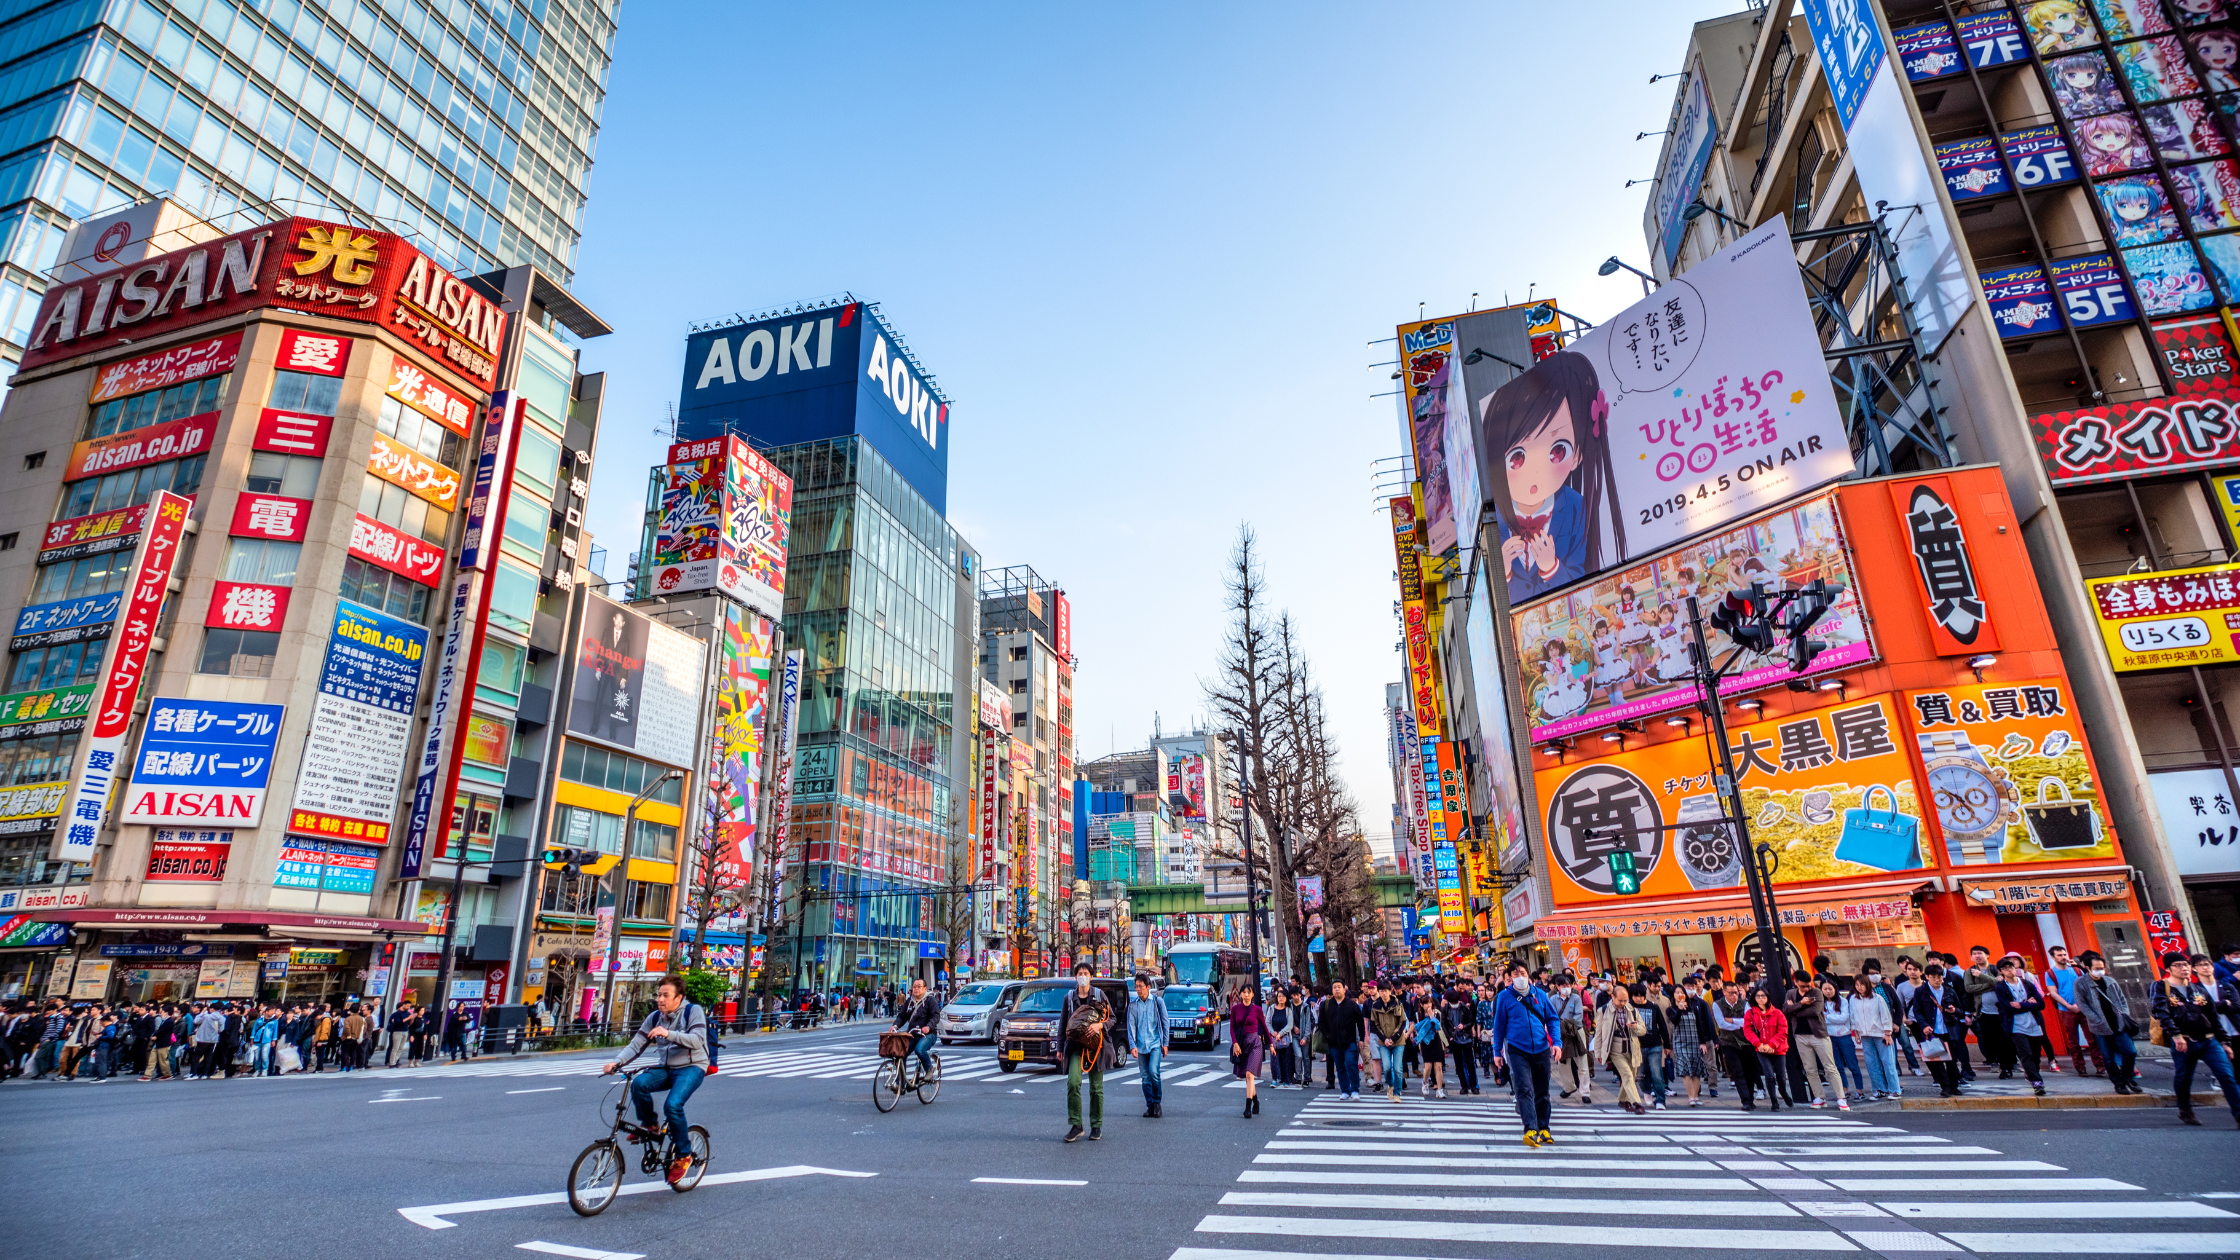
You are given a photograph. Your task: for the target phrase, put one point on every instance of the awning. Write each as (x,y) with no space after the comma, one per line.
(128,918)
(1730,912)
(2110,883)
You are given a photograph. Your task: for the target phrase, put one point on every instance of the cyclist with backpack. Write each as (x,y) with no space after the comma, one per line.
(680,1029)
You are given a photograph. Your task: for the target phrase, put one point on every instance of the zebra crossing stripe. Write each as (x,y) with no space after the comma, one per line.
(1463,1203)
(1521,1232)
(1923,1165)
(1670,1164)
(1971,1185)
(2098,1244)
(1508,1181)
(1972,1209)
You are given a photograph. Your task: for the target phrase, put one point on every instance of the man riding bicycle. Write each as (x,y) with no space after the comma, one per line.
(681,1029)
(917,1016)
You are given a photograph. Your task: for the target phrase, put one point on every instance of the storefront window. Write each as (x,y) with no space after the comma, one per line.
(132,487)
(477,815)
(1632,956)
(616,772)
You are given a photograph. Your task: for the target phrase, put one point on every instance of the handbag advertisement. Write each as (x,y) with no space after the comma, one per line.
(2008,774)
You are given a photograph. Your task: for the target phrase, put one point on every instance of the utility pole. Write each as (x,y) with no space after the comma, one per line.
(1251,882)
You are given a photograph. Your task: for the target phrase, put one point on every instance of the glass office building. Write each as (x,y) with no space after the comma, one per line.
(467,127)
(871,600)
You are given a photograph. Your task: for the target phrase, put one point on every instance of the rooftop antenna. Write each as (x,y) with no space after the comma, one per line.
(1419,311)
(1473,301)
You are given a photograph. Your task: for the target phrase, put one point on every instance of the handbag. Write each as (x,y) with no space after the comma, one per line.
(2158,1033)
(1886,841)
(2064,824)
(1934,1049)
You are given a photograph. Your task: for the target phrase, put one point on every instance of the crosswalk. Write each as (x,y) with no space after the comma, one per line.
(1373,1180)
(829,1062)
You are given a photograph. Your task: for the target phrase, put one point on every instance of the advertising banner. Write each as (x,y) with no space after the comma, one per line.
(1505,342)
(743,695)
(781,778)
(1415,613)
(65,621)
(2009,776)
(399,553)
(361,726)
(287,433)
(201,860)
(2039,158)
(2174,617)
(637,684)
(1863,908)
(55,710)
(1427,368)
(1944,569)
(493,458)
(1497,756)
(1992,39)
(165,368)
(270,516)
(2021,301)
(2197,352)
(400,465)
(1927,51)
(987,805)
(326,866)
(1616,649)
(1972,168)
(1831,791)
(2124,440)
(31,808)
(203,761)
(1694,131)
(173,439)
(322,354)
(2199,817)
(1691,409)
(724,519)
(94,535)
(2092,291)
(123,668)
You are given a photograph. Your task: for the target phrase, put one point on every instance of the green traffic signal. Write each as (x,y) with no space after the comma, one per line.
(1624,879)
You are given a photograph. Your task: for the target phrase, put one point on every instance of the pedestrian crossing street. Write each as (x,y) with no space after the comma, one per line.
(959,1065)
(1371,1179)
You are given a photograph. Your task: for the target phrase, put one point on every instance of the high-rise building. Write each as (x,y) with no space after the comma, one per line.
(1026,634)
(469,130)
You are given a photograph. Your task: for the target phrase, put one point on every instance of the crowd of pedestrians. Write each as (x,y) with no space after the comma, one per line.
(203,1040)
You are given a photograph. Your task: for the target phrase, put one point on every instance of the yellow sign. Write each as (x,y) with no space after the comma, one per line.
(2174,617)
(2228,498)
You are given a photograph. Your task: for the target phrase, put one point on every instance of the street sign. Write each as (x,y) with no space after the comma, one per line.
(1624,881)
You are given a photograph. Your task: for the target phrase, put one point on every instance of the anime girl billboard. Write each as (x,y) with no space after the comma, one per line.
(1702,404)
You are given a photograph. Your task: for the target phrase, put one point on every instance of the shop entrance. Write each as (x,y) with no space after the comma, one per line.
(1632,956)
(2019,933)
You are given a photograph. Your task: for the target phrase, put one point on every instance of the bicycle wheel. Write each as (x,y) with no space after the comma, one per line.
(595,1178)
(929,1085)
(692,1175)
(886,1087)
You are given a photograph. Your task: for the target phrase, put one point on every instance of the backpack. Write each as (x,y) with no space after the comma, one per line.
(1087,1017)
(714,1045)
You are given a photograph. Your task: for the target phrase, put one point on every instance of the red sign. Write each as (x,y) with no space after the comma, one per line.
(122,523)
(428,396)
(166,368)
(2165,934)
(292,434)
(494,984)
(2127,439)
(323,353)
(2198,353)
(308,822)
(401,554)
(270,516)
(657,956)
(330,269)
(247,606)
(154,444)
(1064,620)
(187,863)
(988,767)
(136,625)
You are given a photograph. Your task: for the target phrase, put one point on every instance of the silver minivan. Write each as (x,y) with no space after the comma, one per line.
(972,1014)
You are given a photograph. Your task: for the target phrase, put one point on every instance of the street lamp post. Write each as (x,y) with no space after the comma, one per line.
(1612,265)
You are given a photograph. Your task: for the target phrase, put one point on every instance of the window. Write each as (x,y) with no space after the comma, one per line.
(88,575)
(239,653)
(418,432)
(306,392)
(296,476)
(123,415)
(546,380)
(642,900)
(260,560)
(616,772)
(36,459)
(64,666)
(527,523)
(1019,653)
(478,817)
(538,464)
(383,591)
(655,842)
(43,759)
(132,487)
(513,597)
(501,667)
(1018,686)
(571,892)
(581,828)
(404,511)
(8,541)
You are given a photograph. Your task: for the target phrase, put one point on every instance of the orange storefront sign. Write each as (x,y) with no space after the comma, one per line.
(400,465)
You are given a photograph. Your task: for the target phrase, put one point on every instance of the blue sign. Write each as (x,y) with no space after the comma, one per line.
(2021,302)
(819,374)
(207,743)
(373,658)
(1992,39)
(2092,291)
(2039,157)
(498,431)
(932,949)
(1972,169)
(69,614)
(1850,47)
(189,950)
(329,865)
(1927,52)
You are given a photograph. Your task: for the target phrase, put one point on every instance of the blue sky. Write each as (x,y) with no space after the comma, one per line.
(1145,249)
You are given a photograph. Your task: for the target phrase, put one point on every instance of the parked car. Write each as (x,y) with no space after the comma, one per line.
(972,1014)
(1193,1021)
(1029,1032)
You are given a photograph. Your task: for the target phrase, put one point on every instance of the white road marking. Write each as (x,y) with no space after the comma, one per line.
(1503,1181)
(548,1089)
(1924,1165)
(431,1216)
(1966,1209)
(2100,1244)
(1460,1203)
(1026,1181)
(1508,1232)
(580,1253)
(1973,1185)
(1673,1161)
(420,1098)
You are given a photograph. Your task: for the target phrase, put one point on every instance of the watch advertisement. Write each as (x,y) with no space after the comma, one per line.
(1832,792)
(2008,775)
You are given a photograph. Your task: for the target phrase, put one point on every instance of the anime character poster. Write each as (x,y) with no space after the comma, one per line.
(2112,144)
(2210,193)
(2156,69)
(1426,367)
(2127,19)
(1616,649)
(2200,12)
(2183,129)
(2084,85)
(2059,26)
(1695,407)
(2139,211)
(2220,56)
(2168,278)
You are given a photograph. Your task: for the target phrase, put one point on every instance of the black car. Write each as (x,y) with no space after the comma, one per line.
(1029,1032)
(1193,1021)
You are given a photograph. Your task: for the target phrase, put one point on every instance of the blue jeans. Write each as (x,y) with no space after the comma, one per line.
(924,1051)
(1153,1060)
(2199,1049)
(2121,1057)
(1652,1071)
(680,1082)
(1847,1062)
(1346,1065)
(1882,1064)
(1389,1058)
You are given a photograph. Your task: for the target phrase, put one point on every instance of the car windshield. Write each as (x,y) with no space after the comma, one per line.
(1187,1003)
(977,995)
(1190,968)
(1044,1001)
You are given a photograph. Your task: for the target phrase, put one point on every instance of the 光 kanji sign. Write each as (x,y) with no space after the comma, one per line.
(203,761)
(121,674)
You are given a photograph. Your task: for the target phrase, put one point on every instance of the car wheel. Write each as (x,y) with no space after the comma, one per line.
(1008,1066)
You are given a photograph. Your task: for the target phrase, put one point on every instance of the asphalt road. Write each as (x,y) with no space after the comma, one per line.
(428,1163)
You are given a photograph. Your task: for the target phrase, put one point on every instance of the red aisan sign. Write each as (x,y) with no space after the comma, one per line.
(176,439)
(399,553)
(270,516)
(290,434)
(166,368)
(196,863)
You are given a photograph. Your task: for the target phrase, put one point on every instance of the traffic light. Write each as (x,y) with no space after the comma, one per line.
(1741,616)
(585,861)
(1806,607)
(1624,879)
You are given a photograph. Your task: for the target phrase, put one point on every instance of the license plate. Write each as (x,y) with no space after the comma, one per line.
(1015,1054)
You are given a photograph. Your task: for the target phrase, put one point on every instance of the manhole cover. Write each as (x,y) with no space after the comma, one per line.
(1343,1124)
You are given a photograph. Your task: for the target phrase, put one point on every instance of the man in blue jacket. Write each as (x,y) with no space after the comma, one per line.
(1527,1031)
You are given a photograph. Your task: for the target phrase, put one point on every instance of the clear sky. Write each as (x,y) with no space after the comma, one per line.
(1145,249)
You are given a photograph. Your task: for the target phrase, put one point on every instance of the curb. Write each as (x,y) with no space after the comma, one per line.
(2054,1102)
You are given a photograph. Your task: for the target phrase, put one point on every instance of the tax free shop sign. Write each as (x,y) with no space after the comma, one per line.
(816,374)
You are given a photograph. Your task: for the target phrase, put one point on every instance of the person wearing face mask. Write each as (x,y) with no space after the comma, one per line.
(2107,1016)
(2071,1038)
(1728,1012)
(1527,1032)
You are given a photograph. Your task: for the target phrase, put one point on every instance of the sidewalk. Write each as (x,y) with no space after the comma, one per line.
(2065,1091)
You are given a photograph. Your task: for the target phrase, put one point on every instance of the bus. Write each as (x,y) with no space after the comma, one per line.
(1224,969)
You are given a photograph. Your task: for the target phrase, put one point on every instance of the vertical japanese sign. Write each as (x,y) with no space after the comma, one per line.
(1945,572)
(126,663)
(987,804)
(737,761)
(1427,364)
(781,777)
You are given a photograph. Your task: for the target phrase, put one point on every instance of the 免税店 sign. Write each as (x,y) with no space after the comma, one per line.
(2177,617)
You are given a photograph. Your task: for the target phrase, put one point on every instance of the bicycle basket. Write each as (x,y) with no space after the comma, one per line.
(894,1043)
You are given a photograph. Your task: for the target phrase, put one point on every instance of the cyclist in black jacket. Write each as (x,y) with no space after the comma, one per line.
(919,1015)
